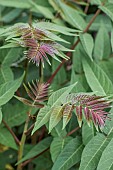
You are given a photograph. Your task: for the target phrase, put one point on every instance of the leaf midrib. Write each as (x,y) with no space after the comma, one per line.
(99,148)
(72,155)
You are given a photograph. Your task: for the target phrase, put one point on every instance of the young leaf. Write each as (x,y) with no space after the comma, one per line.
(70,155)
(87,42)
(97,78)
(56,116)
(56,100)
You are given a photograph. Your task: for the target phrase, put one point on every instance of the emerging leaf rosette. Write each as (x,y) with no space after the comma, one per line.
(40,41)
(37,92)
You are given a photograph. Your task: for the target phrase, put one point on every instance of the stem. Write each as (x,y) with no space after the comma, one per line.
(29,160)
(74,130)
(87,7)
(30,129)
(12,133)
(22,143)
(41,73)
(73,47)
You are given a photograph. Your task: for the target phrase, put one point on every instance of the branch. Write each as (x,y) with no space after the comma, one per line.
(74,130)
(12,133)
(87,7)
(30,129)
(73,47)
(31,159)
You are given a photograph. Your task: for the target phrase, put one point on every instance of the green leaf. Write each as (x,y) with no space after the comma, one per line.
(37,149)
(94,149)
(6,138)
(60,78)
(0,115)
(96,2)
(102,50)
(70,155)
(112,40)
(56,100)
(87,43)
(59,96)
(12,56)
(42,118)
(77,59)
(15,3)
(11,15)
(10,45)
(81,81)
(27,4)
(43,161)
(41,9)
(8,89)
(17,114)
(71,16)
(87,133)
(106,160)
(107,67)
(56,116)
(58,131)
(6,74)
(97,78)
(56,28)
(108,9)
(57,146)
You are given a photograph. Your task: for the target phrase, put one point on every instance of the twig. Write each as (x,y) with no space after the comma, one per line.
(73,47)
(87,7)
(31,159)
(42,135)
(29,130)
(12,133)
(74,130)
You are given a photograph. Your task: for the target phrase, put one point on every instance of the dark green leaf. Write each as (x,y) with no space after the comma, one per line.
(7,139)
(37,149)
(70,155)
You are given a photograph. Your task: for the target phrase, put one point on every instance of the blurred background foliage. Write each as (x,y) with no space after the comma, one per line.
(91,64)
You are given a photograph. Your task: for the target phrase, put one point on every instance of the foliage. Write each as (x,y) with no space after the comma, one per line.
(57,113)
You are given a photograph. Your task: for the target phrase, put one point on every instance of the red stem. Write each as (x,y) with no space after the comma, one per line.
(12,133)
(29,160)
(74,130)
(73,47)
